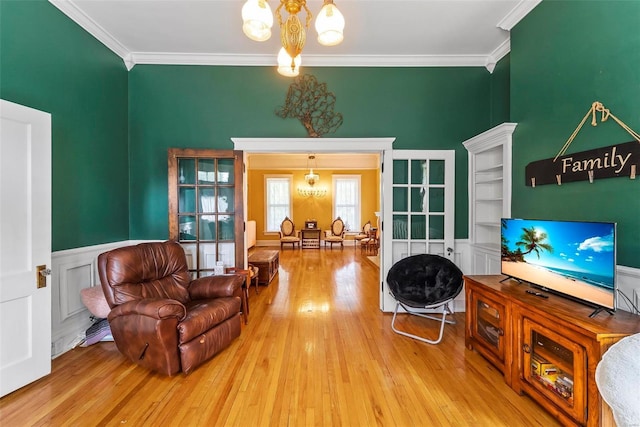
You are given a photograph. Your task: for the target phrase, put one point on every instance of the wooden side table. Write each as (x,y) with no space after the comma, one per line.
(244,300)
(310,238)
(253,276)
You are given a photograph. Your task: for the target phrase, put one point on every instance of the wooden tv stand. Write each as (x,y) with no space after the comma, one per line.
(547,348)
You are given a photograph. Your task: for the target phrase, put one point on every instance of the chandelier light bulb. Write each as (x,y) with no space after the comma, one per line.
(286,66)
(330,25)
(257,20)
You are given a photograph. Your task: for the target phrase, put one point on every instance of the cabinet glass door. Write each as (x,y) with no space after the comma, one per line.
(556,367)
(205,208)
(489,324)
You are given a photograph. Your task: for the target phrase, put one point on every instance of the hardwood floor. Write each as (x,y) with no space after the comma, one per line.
(317,351)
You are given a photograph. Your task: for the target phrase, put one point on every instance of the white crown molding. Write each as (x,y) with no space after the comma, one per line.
(312,60)
(517,13)
(500,52)
(201,59)
(89,25)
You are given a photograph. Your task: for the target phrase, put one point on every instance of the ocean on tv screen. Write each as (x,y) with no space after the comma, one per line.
(572,257)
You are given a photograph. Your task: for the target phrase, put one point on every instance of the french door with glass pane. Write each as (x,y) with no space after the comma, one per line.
(422,207)
(423,203)
(205,208)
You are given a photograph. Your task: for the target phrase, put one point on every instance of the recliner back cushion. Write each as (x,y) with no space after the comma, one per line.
(147,270)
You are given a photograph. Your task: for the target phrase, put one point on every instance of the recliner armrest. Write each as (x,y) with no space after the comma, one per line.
(156,308)
(224,285)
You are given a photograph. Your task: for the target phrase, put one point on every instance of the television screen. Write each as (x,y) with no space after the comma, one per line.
(574,258)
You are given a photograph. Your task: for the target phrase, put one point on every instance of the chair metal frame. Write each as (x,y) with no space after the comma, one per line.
(425,282)
(446,309)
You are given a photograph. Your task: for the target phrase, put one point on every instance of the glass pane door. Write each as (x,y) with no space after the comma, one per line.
(556,367)
(489,324)
(205,208)
(418,208)
(423,203)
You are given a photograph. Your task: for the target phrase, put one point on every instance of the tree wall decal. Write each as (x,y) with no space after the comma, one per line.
(311,103)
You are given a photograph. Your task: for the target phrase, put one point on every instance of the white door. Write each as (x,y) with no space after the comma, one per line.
(419,208)
(25,245)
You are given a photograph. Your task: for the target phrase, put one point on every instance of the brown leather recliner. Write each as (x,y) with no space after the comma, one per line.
(160,318)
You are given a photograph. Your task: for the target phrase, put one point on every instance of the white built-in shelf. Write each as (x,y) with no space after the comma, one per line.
(489,181)
(488,224)
(490,247)
(489,194)
(494,168)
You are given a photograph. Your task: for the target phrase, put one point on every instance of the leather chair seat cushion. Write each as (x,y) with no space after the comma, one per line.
(290,239)
(334,238)
(207,345)
(423,280)
(203,315)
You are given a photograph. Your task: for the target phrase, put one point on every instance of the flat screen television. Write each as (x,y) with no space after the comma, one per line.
(573,258)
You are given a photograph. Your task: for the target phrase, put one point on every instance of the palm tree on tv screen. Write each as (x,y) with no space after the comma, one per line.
(533,241)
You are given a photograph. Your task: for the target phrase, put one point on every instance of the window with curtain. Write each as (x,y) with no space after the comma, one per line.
(346,200)
(278,200)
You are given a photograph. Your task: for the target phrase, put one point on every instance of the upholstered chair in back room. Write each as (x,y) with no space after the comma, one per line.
(335,234)
(162,319)
(366,228)
(288,233)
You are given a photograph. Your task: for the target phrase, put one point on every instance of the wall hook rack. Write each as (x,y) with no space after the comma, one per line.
(607,162)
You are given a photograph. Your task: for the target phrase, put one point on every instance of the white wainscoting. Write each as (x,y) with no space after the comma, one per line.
(71,271)
(628,281)
(75,269)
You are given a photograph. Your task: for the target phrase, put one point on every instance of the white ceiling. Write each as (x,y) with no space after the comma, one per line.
(378,32)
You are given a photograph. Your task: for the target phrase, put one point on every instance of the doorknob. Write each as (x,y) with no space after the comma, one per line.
(449,251)
(41,276)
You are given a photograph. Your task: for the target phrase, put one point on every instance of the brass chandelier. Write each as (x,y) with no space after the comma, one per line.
(258,20)
(311,179)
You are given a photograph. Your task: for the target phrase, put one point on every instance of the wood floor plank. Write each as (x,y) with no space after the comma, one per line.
(317,351)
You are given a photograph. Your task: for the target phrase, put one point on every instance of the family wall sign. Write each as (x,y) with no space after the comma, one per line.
(620,160)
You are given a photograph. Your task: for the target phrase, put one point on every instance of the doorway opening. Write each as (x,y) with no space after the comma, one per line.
(381,146)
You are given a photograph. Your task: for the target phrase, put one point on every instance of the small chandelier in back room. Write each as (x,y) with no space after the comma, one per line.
(311,179)
(258,20)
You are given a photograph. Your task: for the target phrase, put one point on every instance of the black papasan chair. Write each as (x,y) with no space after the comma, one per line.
(424,282)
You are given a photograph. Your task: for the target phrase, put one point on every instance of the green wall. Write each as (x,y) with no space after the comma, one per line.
(564,56)
(204,106)
(500,91)
(49,63)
